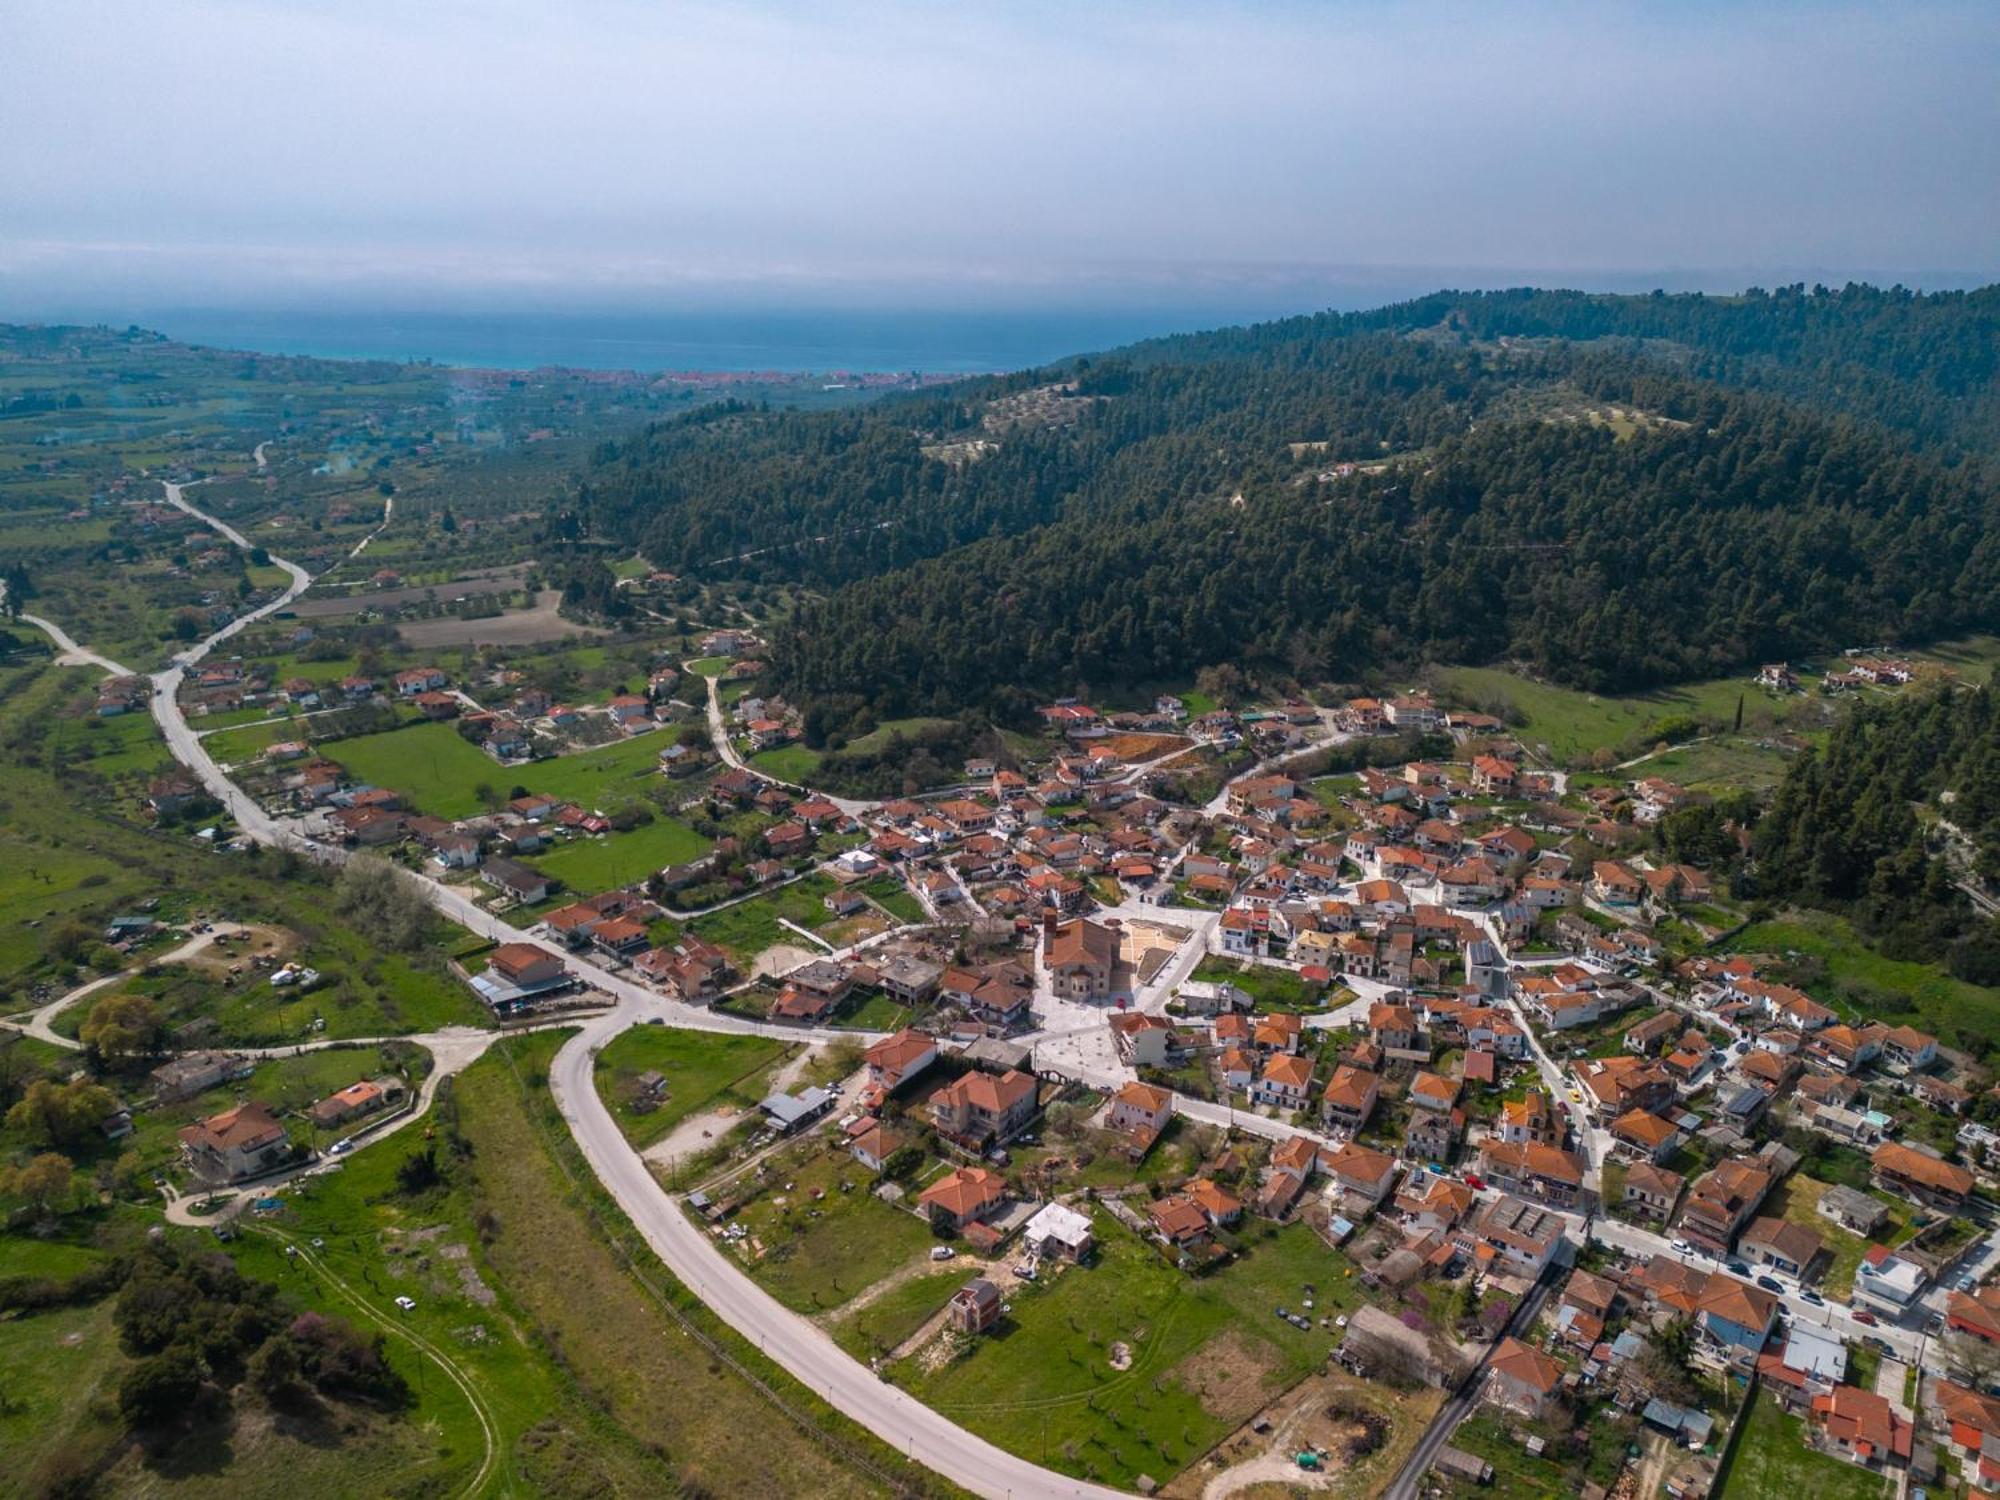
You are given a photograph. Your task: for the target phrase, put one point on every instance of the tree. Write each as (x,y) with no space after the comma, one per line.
(60,1114)
(121,1028)
(44,1183)
(382,902)
(159,1389)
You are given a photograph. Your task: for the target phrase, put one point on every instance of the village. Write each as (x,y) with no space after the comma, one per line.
(1432,1087)
(1442,1039)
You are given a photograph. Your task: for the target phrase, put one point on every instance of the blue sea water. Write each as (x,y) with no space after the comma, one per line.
(792,340)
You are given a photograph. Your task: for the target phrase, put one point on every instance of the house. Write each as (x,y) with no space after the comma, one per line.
(1141,1039)
(1521,1379)
(1722,1201)
(1363,1173)
(1080,957)
(1526,1119)
(975,1307)
(1140,1109)
(1616,884)
(1907,1050)
(1221,1207)
(909,979)
(354,1101)
(1886,1280)
(1376,1340)
(1058,1232)
(1972,1430)
(1285,1082)
(1904,1170)
(419,680)
(895,1060)
(1735,1319)
(1780,1244)
(873,1143)
(1429,1203)
(977,1108)
(963,1195)
(1548,1173)
(1179,1221)
(1639,1136)
(239,1143)
(197,1072)
(517,973)
(1862,1427)
(1652,1192)
(1349,1099)
(512,878)
(1853,1210)
(1514,1236)
(1976,1313)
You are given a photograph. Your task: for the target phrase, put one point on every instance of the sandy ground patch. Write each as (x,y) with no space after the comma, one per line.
(780,958)
(1228,1374)
(518,627)
(253,940)
(1253,1463)
(485,581)
(1141,747)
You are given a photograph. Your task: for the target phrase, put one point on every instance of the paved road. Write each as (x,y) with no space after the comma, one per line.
(801,1348)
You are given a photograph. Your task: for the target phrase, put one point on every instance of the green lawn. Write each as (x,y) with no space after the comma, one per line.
(794,763)
(896,1314)
(749,927)
(823,1235)
(586,866)
(1270,987)
(1042,1386)
(437,771)
(1572,724)
(878,1012)
(1797,1199)
(702,1069)
(1771,1458)
(889,893)
(878,738)
(711,666)
(1858,980)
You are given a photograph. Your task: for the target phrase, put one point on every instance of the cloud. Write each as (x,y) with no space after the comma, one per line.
(615,145)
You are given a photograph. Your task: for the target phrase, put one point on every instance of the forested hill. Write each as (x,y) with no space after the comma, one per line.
(1844,828)
(1925,365)
(1753,532)
(1620,491)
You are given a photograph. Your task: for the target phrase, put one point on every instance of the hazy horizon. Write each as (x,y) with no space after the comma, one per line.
(1258,156)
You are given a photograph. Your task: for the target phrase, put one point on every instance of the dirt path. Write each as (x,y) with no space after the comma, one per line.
(36,1024)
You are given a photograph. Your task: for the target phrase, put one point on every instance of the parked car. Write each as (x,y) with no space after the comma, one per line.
(1680,1247)
(1808,1295)
(1771,1284)
(942,1252)
(1865,1318)
(408,1304)
(1736,1267)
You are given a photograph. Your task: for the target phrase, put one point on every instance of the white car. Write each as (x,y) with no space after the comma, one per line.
(942,1252)
(408,1304)
(1680,1247)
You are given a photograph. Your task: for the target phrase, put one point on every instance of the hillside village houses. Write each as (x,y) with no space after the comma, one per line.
(1500,1028)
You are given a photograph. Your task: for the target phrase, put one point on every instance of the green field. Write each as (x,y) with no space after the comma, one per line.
(889,893)
(793,763)
(878,738)
(711,666)
(1205,1354)
(1771,1458)
(873,1330)
(438,772)
(1860,981)
(749,927)
(1571,724)
(703,1069)
(586,866)
(824,1235)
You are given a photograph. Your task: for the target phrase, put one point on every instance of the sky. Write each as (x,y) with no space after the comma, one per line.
(613,153)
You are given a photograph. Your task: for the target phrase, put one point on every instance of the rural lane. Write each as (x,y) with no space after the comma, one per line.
(803,1349)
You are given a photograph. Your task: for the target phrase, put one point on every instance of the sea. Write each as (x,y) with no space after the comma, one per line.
(792,340)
